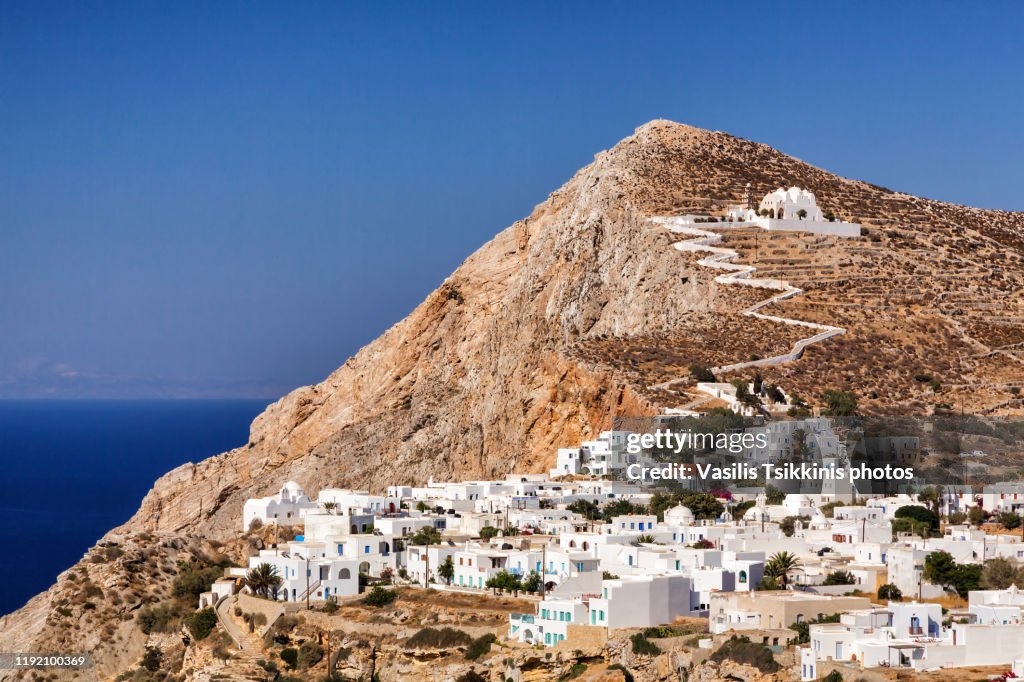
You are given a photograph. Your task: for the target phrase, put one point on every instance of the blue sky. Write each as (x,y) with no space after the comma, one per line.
(231,198)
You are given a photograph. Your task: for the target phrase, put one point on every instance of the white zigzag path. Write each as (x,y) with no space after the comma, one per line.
(720,259)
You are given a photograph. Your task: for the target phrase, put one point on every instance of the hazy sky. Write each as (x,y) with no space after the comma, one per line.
(230,199)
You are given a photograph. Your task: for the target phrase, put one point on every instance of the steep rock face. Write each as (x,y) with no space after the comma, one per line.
(481,378)
(476,380)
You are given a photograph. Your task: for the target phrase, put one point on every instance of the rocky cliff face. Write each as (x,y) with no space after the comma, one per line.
(532,343)
(477,380)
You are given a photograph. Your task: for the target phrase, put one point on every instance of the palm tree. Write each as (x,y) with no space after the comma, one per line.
(780,566)
(263,580)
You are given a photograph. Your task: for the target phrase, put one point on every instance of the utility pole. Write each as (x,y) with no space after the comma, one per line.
(330,672)
(426,564)
(543,566)
(307,583)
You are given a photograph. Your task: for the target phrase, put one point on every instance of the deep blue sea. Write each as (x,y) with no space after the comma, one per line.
(72,470)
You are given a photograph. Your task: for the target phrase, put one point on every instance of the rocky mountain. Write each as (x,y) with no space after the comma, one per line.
(573,314)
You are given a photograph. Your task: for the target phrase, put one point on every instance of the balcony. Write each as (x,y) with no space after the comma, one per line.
(522,617)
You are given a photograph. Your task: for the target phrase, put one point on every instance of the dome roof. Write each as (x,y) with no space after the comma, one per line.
(756,513)
(679,513)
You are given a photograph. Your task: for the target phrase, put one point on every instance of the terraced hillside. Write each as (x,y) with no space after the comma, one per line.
(932,295)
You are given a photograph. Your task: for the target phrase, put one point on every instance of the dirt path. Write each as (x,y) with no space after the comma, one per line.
(721,259)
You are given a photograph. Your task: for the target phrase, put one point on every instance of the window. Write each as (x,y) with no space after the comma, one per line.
(366,550)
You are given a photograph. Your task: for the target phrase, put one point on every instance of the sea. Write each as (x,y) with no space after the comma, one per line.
(72,470)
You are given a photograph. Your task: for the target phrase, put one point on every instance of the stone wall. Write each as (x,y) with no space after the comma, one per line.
(586,638)
(272,610)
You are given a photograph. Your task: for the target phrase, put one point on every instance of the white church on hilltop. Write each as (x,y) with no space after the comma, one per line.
(287,508)
(793,210)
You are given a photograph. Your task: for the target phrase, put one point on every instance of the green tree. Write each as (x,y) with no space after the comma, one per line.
(620,508)
(921,516)
(740,508)
(488,532)
(193,579)
(803,628)
(942,570)
(428,535)
(839,404)
(932,498)
(775,394)
(660,503)
(532,582)
(889,592)
(422,506)
(201,623)
(780,565)
(799,445)
(585,508)
(151,659)
(703,505)
(503,580)
(840,578)
(788,525)
(263,580)
(645,539)
(447,570)
(1009,520)
(829,509)
(1000,573)
(701,374)
(939,568)
(976,516)
(773,495)
(380,596)
(310,653)
(290,656)
(643,646)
